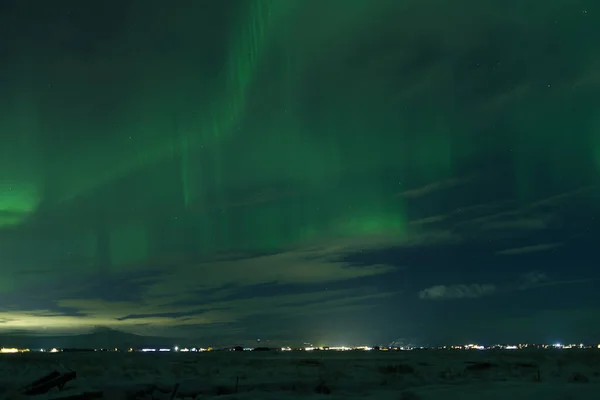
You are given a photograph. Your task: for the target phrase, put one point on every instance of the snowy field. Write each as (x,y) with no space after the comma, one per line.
(405,375)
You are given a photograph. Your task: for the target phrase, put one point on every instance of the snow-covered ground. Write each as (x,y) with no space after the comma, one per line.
(405,375)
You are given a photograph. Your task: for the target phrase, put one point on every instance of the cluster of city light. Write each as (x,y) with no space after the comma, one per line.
(572,346)
(344,348)
(471,346)
(13,350)
(175,349)
(518,346)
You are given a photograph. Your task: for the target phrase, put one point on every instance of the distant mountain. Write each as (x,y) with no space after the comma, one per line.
(98,338)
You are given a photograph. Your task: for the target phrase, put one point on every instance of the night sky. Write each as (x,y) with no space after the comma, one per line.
(335,171)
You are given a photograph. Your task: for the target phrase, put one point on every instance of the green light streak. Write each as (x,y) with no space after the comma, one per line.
(217,121)
(595,144)
(296,137)
(17,202)
(19,160)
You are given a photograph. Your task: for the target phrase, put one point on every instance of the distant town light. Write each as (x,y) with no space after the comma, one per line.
(11,350)
(340,348)
(311,347)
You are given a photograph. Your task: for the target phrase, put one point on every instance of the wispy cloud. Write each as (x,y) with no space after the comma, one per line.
(537,215)
(530,280)
(429,220)
(459,215)
(200,312)
(537,279)
(435,187)
(441,292)
(317,265)
(209,293)
(528,249)
(518,224)
(560,198)
(533,279)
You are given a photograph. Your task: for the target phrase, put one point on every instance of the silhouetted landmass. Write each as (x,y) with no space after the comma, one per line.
(99,338)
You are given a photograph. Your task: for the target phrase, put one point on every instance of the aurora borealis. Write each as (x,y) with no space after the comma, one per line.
(347,170)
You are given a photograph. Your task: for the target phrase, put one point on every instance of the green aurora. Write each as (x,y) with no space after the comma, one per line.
(273,124)
(287,113)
